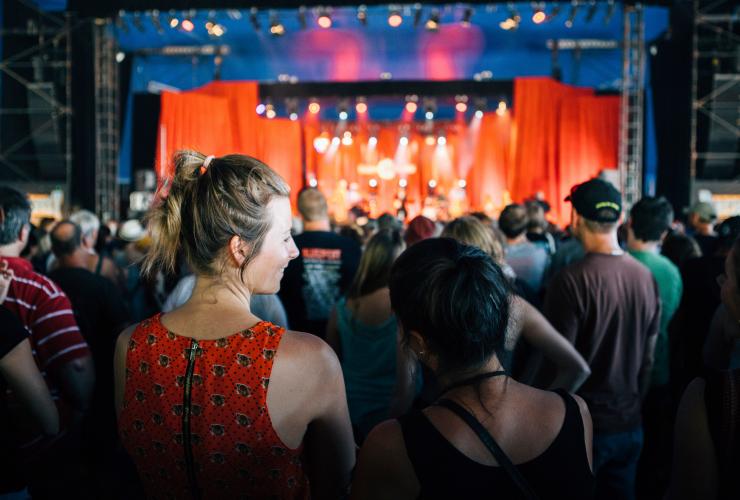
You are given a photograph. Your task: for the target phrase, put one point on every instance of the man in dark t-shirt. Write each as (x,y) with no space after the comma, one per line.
(101,314)
(608,306)
(323,271)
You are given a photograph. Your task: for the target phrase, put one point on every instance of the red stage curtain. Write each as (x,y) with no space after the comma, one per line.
(589,142)
(243,98)
(487,179)
(280,148)
(534,167)
(190,120)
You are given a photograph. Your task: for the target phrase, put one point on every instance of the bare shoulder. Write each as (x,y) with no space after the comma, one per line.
(304,348)
(692,397)
(384,469)
(123,340)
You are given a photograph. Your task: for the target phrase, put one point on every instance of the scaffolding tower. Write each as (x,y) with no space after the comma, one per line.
(37,59)
(715,118)
(632,104)
(107,196)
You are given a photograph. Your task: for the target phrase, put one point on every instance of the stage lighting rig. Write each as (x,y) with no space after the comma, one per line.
(361,106)
(121,23)
(512,21)
(572,14)
(467,16)
(362,15)
(137,22)
(324,18)
(592,6)
(254,19)
(538,14)
(610,10)
(172,19)
(154,15)
(432,23)
(276,27)
(395,19)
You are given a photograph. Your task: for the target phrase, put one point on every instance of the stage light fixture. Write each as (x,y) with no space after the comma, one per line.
(293,117)
(121,23)
(137,22)
(411,107)
(120,56)
(347,138)
(479,114)
(314,108)
(501,109)
(417,14)
(373,141)
(395,19)
(539,16)
(254,19)
(343,115)
(270,112)
(572,14)
(324,20)
(276,27)
(156,22)
(610,10)
(313,182)
(403,141)
(429,115)
(187,25)
(361,107)
(467,16)
(260,108)
(172,19)
(441,140)
(462,183)
(432,23)
(302,17)
(512,21)
(592,6)
(430,140)
(555,12)
(402,183)
(461,107)
(432,183)
(362,15)
(373,183)
(321,143)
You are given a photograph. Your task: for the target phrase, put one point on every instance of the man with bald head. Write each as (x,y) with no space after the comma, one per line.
(101,315)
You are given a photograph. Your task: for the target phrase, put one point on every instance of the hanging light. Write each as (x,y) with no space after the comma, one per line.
(302,17)
(314,107)
(260,108)
(467,15)
(187,25)
(539,16)
(572,14)
(592,6)
(324,20)
(254,19)
(512,21)
(432,23)
(501,109)
(611,8)
(417,14)
(411,107)
(276,27)
(395,19)
(361,106)
(362,15)
(156,22)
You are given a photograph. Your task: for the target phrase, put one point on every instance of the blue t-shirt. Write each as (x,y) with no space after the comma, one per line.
(529,262)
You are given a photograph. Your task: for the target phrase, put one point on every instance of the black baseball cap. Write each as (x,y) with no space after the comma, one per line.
(596,200)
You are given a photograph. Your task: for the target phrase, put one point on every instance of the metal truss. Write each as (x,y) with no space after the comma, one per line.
(50,58)
(716,54)
(107,196)
(632,104)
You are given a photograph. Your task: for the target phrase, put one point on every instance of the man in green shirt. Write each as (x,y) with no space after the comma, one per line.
(650,219)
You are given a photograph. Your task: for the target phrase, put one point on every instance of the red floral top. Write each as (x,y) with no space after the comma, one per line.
(195,417)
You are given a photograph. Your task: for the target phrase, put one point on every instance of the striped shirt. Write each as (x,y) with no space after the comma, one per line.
(46,314)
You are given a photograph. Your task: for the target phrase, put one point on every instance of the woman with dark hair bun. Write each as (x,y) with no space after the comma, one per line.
(214,402)
(488,436)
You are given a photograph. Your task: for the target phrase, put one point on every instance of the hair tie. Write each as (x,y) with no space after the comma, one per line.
(206,163)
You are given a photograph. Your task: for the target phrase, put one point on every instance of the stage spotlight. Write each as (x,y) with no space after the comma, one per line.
(254,19)
(429,114)
(441,140)
(432,183)
(270,112)
(372,142)
(260,108)
(501,109)
(217,30)
(417,14)
(335,141)
(373,183)
(592,6)
(572,14)
(430,140)
(432,23)
(137,22)
(467,15)
(343,115)
(321,143)
(403,183)
(479,114)
(156,22)
(411,107)
(120,56)
(172,19)
(187,25)
(314,108)
(347,138)
(404,141)
(120,23)
(395,19)
(539,16)
(462,183)
(512,21)
(362,15)
(461,107)
(555,11)
(361,107)
(324,19)
(302,17)
(313,182)
(276,27)
(610,10)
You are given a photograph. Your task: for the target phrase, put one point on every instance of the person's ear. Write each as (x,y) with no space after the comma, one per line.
(24,233)
(238,250)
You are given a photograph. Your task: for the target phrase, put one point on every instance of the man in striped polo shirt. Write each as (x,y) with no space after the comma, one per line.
(61,352)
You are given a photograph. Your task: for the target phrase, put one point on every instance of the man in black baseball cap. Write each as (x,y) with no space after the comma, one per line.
(607,306)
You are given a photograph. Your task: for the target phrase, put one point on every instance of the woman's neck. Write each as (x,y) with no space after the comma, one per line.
(492,365)
(216,292)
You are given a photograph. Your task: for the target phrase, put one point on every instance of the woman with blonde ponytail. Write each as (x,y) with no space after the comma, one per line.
(214,402)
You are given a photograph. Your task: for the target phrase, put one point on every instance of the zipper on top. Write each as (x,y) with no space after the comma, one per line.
(186,412)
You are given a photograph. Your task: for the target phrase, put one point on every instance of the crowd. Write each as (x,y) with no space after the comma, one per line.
(221,349)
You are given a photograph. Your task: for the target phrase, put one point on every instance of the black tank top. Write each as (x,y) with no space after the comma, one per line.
(562,471)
